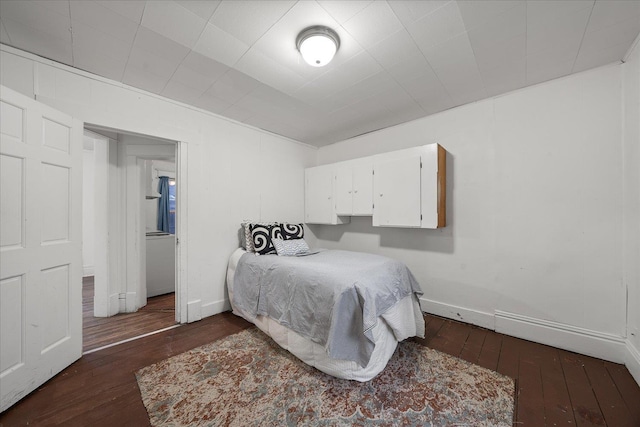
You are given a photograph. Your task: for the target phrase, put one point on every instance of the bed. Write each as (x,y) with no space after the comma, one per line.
(353,340)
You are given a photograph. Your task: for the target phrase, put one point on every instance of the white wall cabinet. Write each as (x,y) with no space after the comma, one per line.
(319,199)
(410,188)
(404,188)
(353,189)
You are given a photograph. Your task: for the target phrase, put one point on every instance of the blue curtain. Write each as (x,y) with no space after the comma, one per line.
(163,204)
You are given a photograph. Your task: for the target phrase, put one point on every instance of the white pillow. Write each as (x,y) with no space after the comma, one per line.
(290,247)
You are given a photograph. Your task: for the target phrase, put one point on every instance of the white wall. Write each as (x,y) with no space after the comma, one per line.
(533,243)
(101,206)
(88,212)
(234,171)
(631,165)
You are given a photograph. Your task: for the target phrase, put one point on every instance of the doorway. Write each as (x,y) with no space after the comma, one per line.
(130,291)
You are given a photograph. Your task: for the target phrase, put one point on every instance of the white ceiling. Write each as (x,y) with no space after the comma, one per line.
(398,60)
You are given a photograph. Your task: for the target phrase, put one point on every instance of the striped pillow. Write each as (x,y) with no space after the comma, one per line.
(290,247)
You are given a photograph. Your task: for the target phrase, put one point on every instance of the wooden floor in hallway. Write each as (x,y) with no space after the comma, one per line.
(159,313)
(554,387)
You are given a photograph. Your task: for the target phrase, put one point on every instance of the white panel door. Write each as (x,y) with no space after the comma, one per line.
(396,191)
(363,188)
(40,244)
(319,195)
(343,190)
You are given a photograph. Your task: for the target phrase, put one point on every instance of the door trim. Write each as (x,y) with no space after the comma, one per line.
(182,183)
(129,290)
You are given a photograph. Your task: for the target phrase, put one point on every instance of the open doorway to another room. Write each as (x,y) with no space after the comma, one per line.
(129,236)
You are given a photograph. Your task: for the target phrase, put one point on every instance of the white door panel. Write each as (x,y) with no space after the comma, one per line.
(11,201)
(40,247)
(11,322)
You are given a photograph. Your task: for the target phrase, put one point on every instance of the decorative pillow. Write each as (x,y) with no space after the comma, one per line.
(262,235)
(292,231)
(290,247)
(247,243)
(247,240)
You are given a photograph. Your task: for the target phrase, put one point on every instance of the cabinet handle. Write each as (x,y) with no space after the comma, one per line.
(356,191)
(349,191)
(380,194)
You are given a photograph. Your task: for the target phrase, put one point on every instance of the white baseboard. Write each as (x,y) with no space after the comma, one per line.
(479,318)
(114,304)
(130,302)
(122,306)
(194,311)
(633,361)
(88,270)
(584,341)
(215,307)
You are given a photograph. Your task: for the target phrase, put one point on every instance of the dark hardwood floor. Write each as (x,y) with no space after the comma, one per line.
(159,313)
(554,387)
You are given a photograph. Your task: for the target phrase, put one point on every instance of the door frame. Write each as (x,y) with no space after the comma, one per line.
(130,234)
(182,183)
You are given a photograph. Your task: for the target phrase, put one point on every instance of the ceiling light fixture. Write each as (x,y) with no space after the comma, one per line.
(318,45)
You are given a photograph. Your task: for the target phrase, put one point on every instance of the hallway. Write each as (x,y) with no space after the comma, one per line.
(159,313)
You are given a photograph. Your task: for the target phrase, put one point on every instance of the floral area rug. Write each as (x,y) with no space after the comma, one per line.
(246,379)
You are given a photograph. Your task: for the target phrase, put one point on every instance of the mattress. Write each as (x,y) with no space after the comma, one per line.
(401,321)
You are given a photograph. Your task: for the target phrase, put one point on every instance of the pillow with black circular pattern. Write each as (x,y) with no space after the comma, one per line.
(247,242)
(262,236)
(292,231)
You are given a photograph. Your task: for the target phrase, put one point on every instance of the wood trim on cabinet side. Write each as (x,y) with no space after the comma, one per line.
(442,187)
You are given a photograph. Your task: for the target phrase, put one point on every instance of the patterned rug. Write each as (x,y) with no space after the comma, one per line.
(247,379)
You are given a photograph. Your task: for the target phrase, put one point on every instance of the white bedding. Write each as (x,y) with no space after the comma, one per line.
(396,324)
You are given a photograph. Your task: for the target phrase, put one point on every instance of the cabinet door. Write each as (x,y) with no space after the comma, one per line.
(343,191)
(318,195)
(363,189)
(396,192)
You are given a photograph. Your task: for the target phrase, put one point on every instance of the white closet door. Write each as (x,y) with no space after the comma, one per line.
(396,192)
(40,244)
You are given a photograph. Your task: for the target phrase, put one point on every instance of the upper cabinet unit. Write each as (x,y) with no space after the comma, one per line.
(353,189)
(410,188)
(405,188)
(319,200)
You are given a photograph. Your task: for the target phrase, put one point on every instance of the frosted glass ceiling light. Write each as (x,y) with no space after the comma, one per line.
(317,45)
